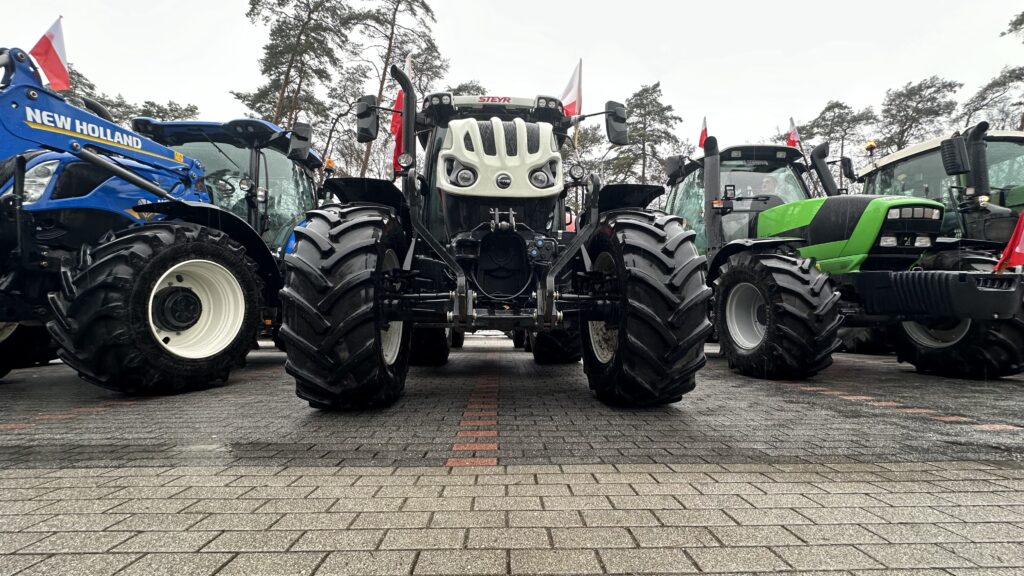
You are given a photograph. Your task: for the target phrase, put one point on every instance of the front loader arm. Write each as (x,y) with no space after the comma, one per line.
(32,116)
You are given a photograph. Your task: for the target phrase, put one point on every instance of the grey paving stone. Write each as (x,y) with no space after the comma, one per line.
(165,542)
(11,541)
(76,542)
(840,516)
(384,563)
(576,503)
(508,538)
(694,518)
(736,559)
(80,565)
(448,519)
(546,518)
(166,522)
(452,562)
(236,522)
(914,556)
(77,522)
(423,539)
(554,562)
(436,504)
(673,536)
(13,564)
(176,564)
(825,557)
(507,503)
(391,520)
(987,532)
(991,554)
(295,505)
(251,541)
(279,564)
(835,534)
(591,538)
(767,516)
(754,535)
(915,533)
(314,521)
(646,561)
(330,540)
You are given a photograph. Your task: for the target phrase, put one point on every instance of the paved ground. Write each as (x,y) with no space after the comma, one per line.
(493,465)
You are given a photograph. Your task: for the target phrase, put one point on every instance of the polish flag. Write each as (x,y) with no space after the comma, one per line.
(572,96)
(703,132)
(49,53)
(396,118)
(793,137)
(1013,254)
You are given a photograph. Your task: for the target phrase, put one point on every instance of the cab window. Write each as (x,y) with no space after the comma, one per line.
(686,200)
(920,177)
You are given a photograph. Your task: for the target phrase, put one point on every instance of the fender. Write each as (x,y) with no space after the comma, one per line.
(743,245)
(372,190)
(616,196)
(239,230)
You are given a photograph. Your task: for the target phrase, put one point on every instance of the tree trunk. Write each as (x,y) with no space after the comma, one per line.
(295,98)
(279,108)
(383,80)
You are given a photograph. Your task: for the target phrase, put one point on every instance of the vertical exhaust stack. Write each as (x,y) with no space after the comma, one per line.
(712,188)
(819,163)
(978,176)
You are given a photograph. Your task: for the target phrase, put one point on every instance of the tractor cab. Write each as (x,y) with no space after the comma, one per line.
(754,179)
(254,169)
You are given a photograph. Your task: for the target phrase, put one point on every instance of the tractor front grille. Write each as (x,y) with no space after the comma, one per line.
(510,136)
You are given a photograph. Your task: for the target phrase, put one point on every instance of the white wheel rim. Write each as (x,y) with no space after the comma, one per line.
(604,339)
(391,335)
(6,329)
(929,337)
(220,319)
(743,305)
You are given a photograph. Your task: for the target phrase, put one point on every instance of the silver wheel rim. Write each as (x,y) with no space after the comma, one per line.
(936,337)
(604,339)
(6,329)
(222,314)
(391,335)
(742,306)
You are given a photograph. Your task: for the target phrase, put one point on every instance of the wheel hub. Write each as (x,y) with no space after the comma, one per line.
(941,335)
(746,316)
(177,308)
(604,337)
(6,329)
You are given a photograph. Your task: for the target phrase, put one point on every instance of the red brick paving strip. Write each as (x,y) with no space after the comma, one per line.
(483,403)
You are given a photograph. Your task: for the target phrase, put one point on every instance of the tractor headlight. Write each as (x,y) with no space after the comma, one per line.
(464,178)
(37,179)
(887,242)
(894,213)
(540,179)
(922,242)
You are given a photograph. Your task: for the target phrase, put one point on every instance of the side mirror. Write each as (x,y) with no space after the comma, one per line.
(615,123)
(954,156)
(846,164)
(674,166)
(367,119)
(300,142)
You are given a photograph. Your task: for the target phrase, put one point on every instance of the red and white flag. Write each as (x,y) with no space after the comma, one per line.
(793,137)
(572,96)
(703,132)
(49,54)
(396,118)
(1013,254)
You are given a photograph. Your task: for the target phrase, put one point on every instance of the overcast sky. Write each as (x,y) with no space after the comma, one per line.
(746,65)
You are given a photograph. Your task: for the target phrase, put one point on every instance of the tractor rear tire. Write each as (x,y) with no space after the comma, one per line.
(430,346)
(651,353)
(458,338)
(556,347)
(519,338)
(968,349)
(341,351)
(778,316)
(162,308)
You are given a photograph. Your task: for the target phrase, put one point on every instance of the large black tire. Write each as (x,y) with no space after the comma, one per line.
(877,341)
(430,346)
(650,354)
(102,319)
(556,347)
(519,337)
(340,351)
(793,306)
(458,338)
(969,349)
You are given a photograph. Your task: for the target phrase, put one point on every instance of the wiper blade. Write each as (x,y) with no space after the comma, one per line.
(223,153)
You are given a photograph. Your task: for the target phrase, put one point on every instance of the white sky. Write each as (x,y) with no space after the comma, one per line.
(747,65)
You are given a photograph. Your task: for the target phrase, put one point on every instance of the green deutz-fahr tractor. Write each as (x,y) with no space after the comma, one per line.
(476,238)
(788,268)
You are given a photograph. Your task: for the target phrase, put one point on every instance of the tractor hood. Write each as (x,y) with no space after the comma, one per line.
(245,131)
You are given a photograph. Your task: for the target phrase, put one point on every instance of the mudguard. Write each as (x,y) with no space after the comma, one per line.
(616,196)
(743,244)
(349,190)
(239,231)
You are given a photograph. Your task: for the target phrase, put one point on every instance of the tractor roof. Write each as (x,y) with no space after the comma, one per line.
(745,152)
(933,144)
(244,131)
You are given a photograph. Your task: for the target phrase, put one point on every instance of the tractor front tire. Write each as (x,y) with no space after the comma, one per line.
(556,347)
(649,355)
(430,346)
(341,351)
(158,309)
(778,316)
(519,337)
(458,338)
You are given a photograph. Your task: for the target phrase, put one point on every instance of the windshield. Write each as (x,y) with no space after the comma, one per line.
(921,177)
(1006,165)
(289,186)
(763,178)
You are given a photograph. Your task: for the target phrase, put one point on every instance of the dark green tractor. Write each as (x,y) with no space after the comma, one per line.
(788,268)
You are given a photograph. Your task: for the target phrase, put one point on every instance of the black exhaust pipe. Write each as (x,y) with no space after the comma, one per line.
(819,163)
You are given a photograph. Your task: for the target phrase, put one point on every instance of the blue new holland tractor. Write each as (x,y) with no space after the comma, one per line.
(151,256)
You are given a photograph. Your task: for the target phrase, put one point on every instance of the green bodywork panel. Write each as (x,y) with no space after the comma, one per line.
(841,256)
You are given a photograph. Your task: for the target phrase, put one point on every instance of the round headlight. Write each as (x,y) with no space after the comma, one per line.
(576,172)
(405,160)
(540,179)
(465,177)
